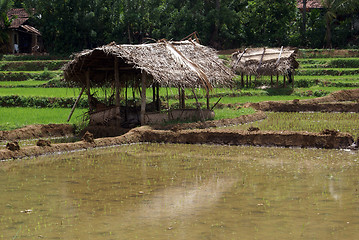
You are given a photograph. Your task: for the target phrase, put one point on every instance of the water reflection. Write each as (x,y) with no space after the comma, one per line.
(182,192)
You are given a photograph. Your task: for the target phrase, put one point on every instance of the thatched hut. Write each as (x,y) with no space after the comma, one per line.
(265,62)
(184,64)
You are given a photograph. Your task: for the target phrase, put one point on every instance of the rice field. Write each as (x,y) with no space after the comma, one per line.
(320,78)
(310,122)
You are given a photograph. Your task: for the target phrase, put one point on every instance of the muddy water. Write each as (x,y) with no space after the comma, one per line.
(182,192)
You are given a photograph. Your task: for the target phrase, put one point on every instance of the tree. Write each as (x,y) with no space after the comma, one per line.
(332,8)
(5,22)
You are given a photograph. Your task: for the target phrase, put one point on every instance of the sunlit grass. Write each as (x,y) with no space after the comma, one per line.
(11,118)
(311,122)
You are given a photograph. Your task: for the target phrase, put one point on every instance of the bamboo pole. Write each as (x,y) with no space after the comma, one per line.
(183,95)
(207,95)
(201,115)
(143,97)
(75,104)
(158,104)
(88,86)
(117,83)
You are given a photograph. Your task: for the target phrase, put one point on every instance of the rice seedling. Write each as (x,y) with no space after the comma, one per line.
(11,118)
(311,122)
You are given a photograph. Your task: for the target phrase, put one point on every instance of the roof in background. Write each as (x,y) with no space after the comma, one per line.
(311,4)
(264,61)
(19,17)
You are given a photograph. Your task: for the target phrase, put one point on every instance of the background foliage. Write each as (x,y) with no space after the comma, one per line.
(72,25)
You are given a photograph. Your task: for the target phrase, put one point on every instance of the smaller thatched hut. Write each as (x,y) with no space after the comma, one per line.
(265,62)
(184,64)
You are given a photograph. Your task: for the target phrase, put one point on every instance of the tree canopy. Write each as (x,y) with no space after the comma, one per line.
(72,25)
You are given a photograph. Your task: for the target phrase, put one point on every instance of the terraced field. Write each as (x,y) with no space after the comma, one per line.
(37,82)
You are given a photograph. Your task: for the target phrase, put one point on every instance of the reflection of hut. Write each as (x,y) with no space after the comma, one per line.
(265,62)
(131,68)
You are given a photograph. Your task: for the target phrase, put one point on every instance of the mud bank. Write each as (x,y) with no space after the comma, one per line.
(341,101)
(38,131)
(296,106)
(196,136)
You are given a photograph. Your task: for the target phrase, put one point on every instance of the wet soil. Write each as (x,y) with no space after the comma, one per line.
(196,136)
(38,131)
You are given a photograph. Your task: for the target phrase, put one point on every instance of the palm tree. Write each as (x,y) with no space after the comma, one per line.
(332,8)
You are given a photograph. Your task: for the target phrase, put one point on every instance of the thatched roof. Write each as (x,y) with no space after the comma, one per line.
(179,64)
(264,61)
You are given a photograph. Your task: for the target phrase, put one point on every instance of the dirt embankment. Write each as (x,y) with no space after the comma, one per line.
(197,136)
(341,101)
(38,131)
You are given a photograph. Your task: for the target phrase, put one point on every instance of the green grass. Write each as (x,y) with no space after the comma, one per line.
(11,118)
(28,83)
(41,92)
(311,122)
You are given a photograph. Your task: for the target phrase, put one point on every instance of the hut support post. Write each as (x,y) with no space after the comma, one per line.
(158,104)
(247,80)
(183,95)
(126,101)
(207,95)
(284,83)
(143,97)
(117,83)
(88,86)
(242,80)
(154,94)
(198,106)
(180,97)
(271,80)
(75,104)
(277,80)
(293,80)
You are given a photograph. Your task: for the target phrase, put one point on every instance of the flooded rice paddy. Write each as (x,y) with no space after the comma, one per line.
(155,191)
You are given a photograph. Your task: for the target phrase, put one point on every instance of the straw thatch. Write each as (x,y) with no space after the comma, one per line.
(178,64)
(265,61)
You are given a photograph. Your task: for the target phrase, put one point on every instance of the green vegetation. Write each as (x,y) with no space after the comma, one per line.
(311,122)
(43,90)
(11,118)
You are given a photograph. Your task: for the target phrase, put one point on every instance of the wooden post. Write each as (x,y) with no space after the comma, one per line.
(126,101)
(293,79)
(88,86)
(143,97)
(284,84)
(277,80)
(198,106)
(183,95)
(247,80)
(158,104)
(271,80)
(207,95)
(154,94)
(75,104)
(180,97)
(242,79)
(250,80)
(117,83)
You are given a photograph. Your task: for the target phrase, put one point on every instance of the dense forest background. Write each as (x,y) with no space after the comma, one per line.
(72,25)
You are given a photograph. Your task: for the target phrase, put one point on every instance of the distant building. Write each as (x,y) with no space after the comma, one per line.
(23,38)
